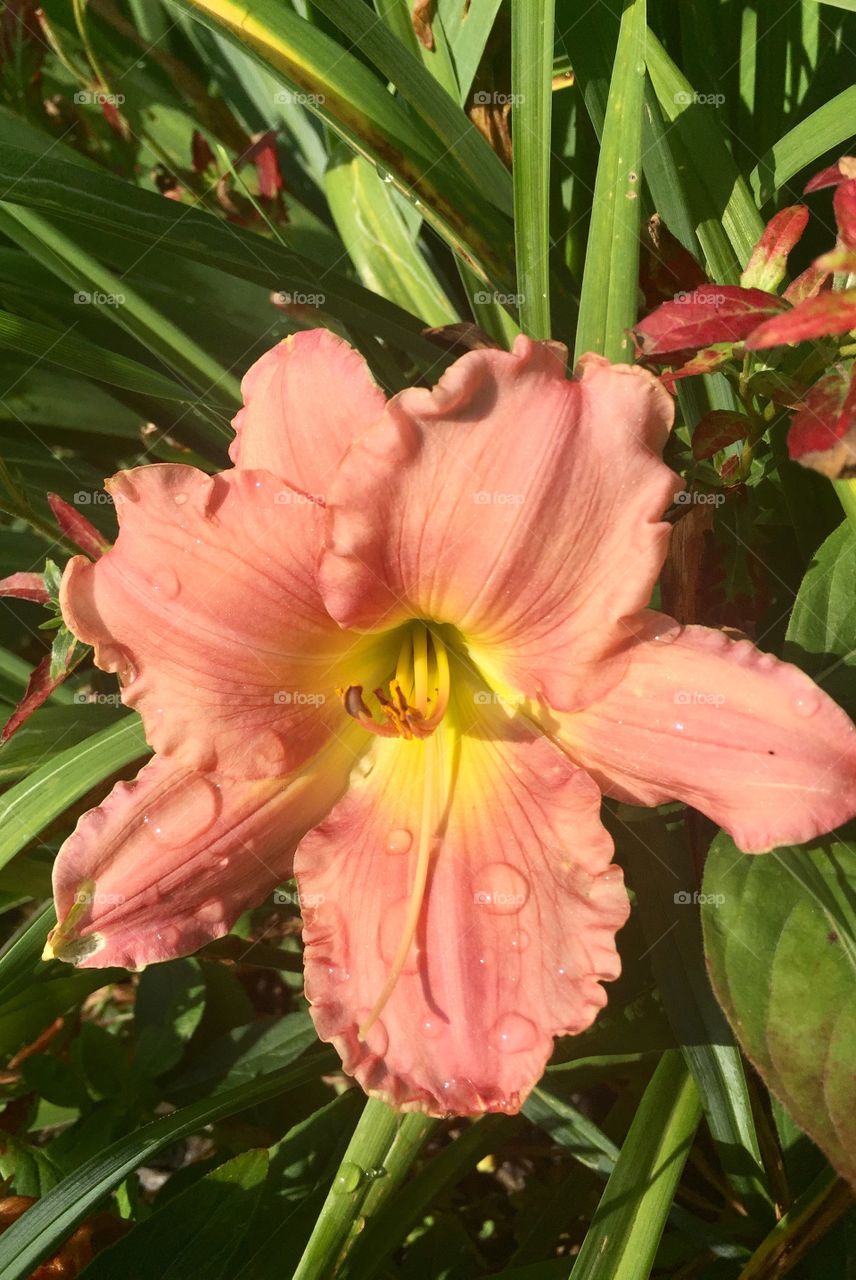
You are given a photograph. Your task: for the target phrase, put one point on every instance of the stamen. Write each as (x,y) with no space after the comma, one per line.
(423,665)
(417,893)
(420,670)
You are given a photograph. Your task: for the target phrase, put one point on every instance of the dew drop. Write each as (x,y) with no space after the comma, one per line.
(179,499)
(348,1178)
(432,1027)
(185,813)
(269,750)
(500,889)
(514,1034)
(165,582)
(337,974)
(399,841)
(808,703)
(519,940)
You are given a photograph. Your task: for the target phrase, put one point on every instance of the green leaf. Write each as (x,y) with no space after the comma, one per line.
(336,86)
(829,127)
(105,202)
(609,294)
(83,357)
(780,937)
(201,1232)
(625,1231)
(381,246)
(40,1231)
(532,23)
(821,634)
(32,804)
(169,1007)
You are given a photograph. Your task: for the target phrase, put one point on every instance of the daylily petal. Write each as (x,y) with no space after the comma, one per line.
(304,401)
(170,860)
(206,607)
(517,505)
(516,927)
(747,739)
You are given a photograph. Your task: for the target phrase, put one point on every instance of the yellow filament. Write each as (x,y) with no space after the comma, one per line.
(417,893)
(404,666)
(420,670)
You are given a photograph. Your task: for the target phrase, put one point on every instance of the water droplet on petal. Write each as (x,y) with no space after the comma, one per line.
(165,582)
(432,1027)
(519,940)
(347,1179)
(185,813)
(337,974)
(399,841)
(514,1034)
(269,751)
(808,703)
(179,499)
(500,889)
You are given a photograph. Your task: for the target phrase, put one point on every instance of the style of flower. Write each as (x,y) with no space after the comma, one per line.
(402,649)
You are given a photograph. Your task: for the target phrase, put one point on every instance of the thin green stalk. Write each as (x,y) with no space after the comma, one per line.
(532,23)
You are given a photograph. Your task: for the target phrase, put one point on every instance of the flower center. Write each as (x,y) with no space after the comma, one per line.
(417,696)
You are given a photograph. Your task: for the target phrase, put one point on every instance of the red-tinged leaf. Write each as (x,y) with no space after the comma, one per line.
(836,173)
(823,432)
(77,528)
(768,263)
(716,313)
(264,155)
(422,22)
(718,429)
(665,266)
(839,259)
(829,313)
(772,384)
(25,586)
(704,361)
(730,471)
(202,157)
(39,688)
(844,207)
(808,284)
(116,121)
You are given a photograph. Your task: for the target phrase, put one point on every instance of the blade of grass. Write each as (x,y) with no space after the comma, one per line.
(34,802)
(57,250)
(532,24)
(610,280)
(832,125)
(83,357)
(622,1241)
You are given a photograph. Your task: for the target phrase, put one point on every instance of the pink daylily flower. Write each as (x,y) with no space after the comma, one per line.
(403,649)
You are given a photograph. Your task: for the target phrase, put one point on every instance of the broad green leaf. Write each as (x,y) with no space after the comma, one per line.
(26,1014)
(780,937)
(201,1232)
(168,1009)
(32,804)
(244,1054)
(625,1231)
(50,730)
(532,23)
(609,294)
(666,897)
(822,631)
(39,1233)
